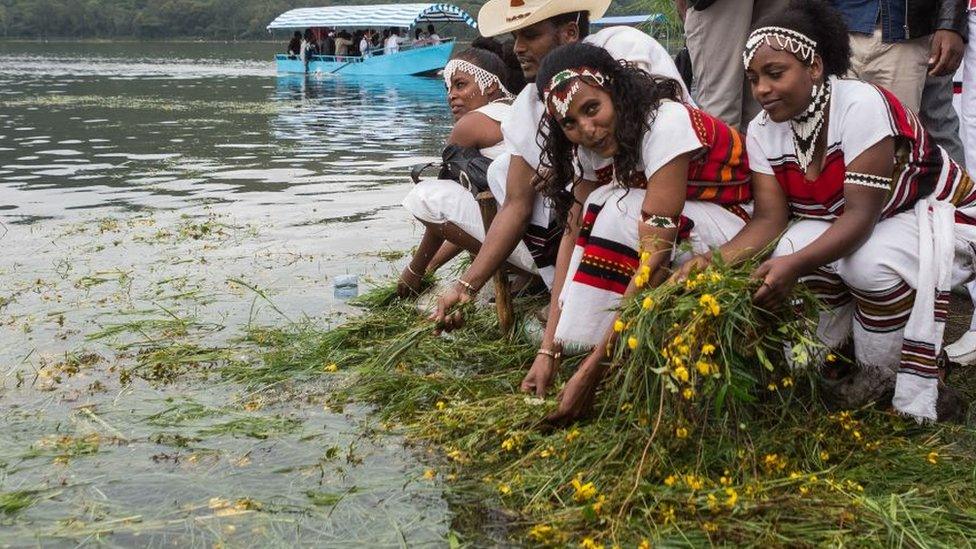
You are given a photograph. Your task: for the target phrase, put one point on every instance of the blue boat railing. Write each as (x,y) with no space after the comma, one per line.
(355,58)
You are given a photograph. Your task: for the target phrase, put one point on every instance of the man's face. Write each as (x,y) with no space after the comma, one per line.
(533,44)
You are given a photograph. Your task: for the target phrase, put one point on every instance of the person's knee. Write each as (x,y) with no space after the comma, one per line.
(868,269)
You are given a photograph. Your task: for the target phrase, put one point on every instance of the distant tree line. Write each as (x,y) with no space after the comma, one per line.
(207,19)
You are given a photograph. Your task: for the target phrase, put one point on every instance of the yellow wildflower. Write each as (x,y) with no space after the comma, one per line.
(707,349)
(626,407)
(572,435)
(639,281)
(712,501)
(441,405)
(681,432)
(601,500)
(681,374)
(715,277)
(690,284)
(710,304)
(648,303)
(645,257)
(618,326)
(824,455)
(678,340)
(831,357)
(684,349)
(644,544)
(688,393)
(504,489)
(933,457)
(725,481)
(772,387)
(588,543)
(331,367)
(732,497)
(703,367)
(787,381)
(670,480)
(710,527)
(693,482)
(429,474)
(645,271)
(510,443)
(547,452)
(582,492)
(542,532)
(632,342)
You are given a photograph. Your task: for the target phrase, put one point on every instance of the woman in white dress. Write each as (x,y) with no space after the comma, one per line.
(479,100)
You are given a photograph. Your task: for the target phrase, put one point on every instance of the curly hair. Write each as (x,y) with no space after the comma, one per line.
(636,96)
(821,22)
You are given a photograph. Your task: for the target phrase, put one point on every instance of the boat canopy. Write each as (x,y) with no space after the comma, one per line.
(384,15)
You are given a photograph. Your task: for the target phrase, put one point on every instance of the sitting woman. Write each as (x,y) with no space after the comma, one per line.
(653,171)
(882,220)
(479,100)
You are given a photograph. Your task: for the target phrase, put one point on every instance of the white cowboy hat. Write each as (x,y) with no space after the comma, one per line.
(504,16)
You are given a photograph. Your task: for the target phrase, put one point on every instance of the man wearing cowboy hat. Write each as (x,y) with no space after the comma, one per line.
(538,27)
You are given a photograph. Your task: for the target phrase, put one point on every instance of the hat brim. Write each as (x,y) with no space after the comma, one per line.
(493,21)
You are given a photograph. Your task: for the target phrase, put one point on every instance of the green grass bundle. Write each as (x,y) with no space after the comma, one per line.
(698,353)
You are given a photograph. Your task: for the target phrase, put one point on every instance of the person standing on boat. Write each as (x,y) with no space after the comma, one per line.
(538,26)
(392,44)
(432,37)
(342,43)
(479,97)
(295,46)
(365,44)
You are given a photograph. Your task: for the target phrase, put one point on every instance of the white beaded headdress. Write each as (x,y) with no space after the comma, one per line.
(560,101)
(482,77)
(781,39)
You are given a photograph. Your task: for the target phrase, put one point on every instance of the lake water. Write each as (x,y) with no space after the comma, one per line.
(157,196)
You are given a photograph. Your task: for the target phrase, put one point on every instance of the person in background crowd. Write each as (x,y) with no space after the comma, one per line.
(883,218)
(645,171)
(295,46)
(309,47)
(329,44)
(419,38)
(479,98)
(392,43)
(365,44)
(432,37)
(716,31)
(525,218)
(342,43)
(894,43)
(939,116)
(964,350)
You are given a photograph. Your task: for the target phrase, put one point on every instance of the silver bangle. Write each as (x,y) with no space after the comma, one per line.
(470,289)
(413,272)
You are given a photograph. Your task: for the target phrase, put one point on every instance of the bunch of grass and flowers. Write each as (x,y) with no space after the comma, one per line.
(707,429)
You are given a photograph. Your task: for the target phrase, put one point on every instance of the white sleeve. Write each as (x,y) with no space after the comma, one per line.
(630,44)
(521,127)
(670,136)
(863,119)
(758,159)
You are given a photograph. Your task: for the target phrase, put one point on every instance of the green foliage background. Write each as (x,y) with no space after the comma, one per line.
(207,19)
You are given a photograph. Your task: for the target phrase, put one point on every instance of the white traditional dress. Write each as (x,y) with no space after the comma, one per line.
(606,256)
(892,294)
(439,201)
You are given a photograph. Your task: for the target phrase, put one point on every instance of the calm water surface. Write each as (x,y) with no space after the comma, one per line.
(167,196)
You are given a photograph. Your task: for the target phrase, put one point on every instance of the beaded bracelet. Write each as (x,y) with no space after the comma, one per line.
(659,221)
(470,289)
(868,180)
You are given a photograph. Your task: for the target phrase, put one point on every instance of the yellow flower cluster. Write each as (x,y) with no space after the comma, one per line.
(543,533)
(643,276)
(583,491)
(774,462)
(710,304)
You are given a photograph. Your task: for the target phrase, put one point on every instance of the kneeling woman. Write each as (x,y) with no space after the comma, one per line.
(653,171)
(883,219)
(479,100)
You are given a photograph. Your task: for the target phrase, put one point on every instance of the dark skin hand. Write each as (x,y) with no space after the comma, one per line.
(947,52)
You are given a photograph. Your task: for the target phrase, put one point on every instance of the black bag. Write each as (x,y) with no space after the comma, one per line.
(700,5)
(466,165)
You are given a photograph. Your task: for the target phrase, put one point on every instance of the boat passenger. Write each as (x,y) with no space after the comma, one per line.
(392,43)
(644,171)
(343,41)
(365,44)
(432,37)
(295,46)
(479,99)
(525,218)
(882,221)
(420,38)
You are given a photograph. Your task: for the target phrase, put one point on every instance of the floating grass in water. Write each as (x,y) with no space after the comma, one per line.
(750,458)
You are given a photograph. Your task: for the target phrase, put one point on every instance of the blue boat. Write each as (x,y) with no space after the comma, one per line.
(418,60)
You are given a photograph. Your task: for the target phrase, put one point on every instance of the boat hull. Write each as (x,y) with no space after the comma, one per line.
(414,61)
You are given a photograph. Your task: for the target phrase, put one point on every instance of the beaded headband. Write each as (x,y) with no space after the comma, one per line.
(781,39)
(482,77)
(560,100)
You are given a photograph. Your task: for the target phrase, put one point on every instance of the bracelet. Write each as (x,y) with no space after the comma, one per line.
(470,289)
(413,272)
(868,180)
(660,221)
(550,354)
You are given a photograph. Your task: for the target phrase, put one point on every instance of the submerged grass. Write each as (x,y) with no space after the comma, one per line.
(786,473)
